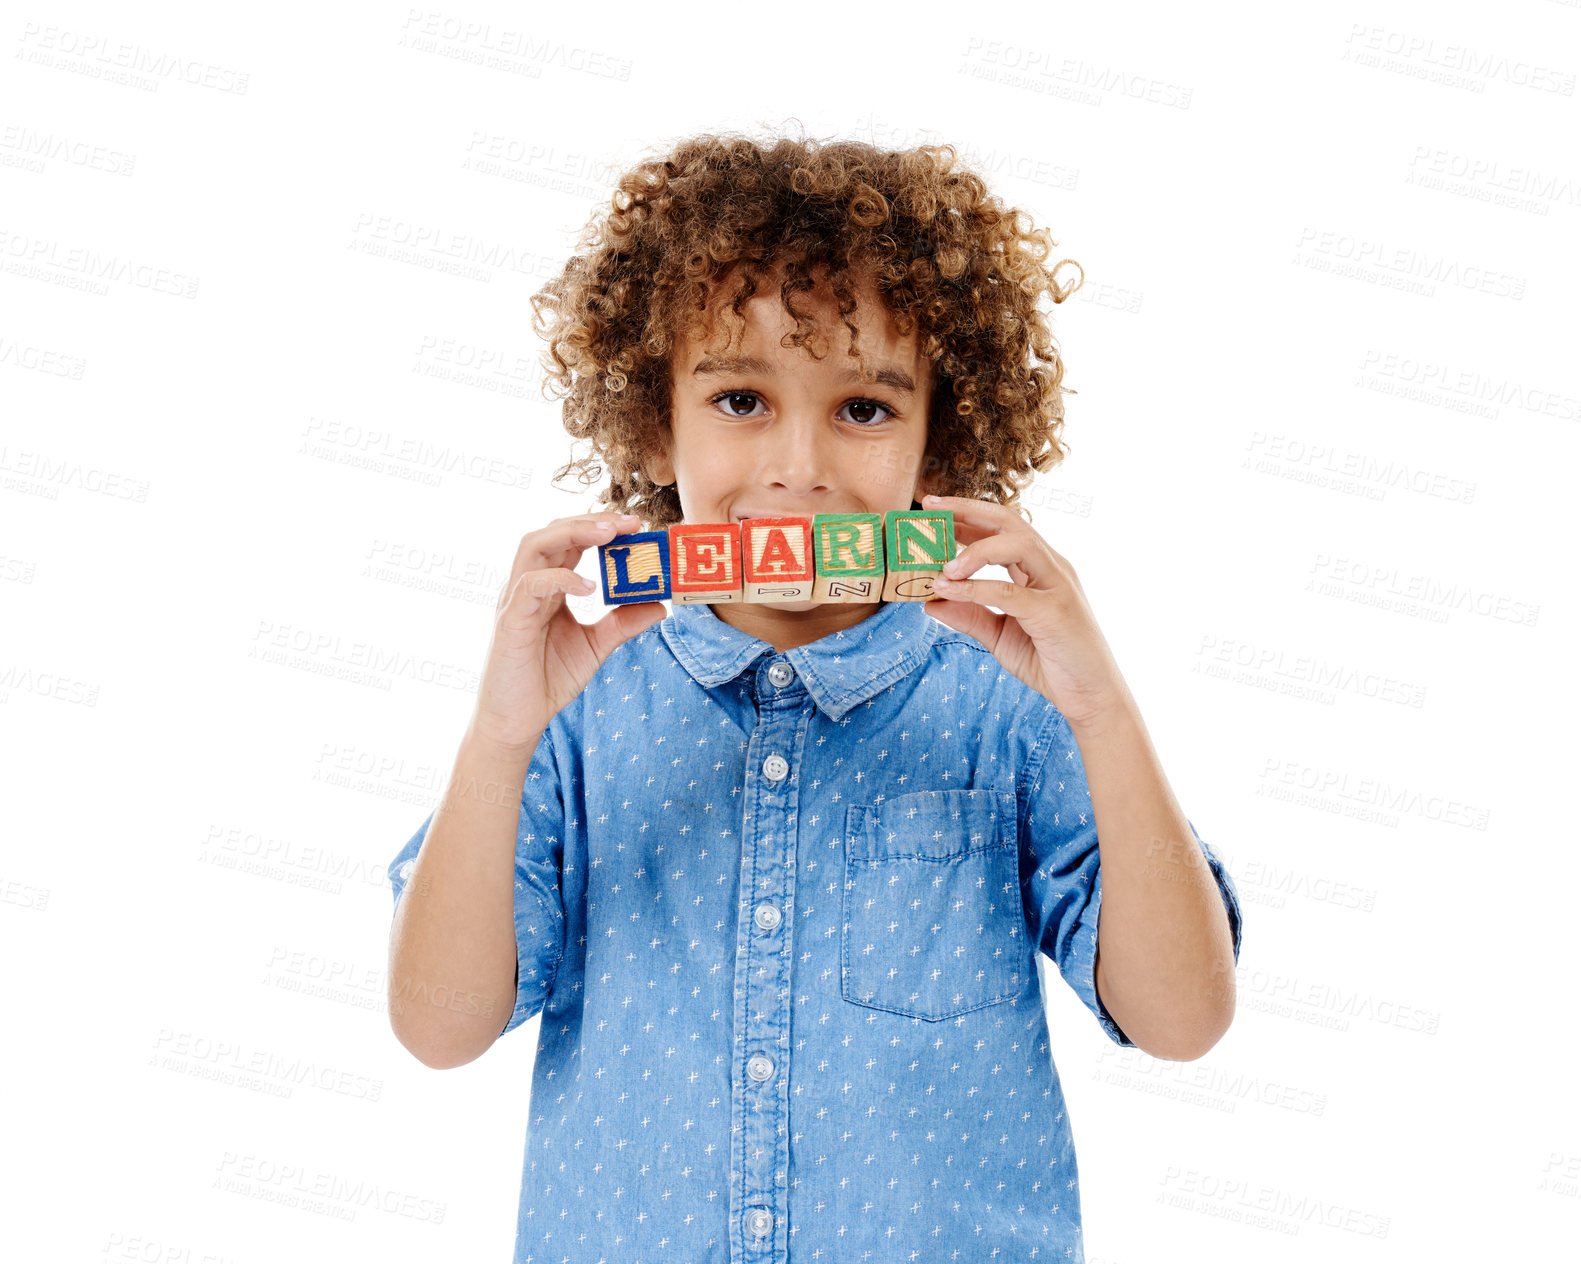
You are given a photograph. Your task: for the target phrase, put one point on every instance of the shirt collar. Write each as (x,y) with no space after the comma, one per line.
(840,671)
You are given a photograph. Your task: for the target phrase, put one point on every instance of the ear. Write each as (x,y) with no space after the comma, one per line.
(929,481)
(657,464)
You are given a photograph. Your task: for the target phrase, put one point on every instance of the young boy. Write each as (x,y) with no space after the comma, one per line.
(776,874)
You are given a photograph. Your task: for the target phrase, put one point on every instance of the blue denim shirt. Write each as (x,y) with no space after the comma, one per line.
(780,913)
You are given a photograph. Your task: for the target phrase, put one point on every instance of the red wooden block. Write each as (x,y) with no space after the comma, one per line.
(777,559)
(705,562)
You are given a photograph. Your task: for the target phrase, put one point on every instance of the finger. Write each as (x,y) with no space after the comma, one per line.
(563,541)
(975,518)
(976,621)
(536,595)
(1022,551)
(1023,604)
(621,624)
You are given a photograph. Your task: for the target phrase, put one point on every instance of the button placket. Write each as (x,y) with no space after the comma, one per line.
(760,1149)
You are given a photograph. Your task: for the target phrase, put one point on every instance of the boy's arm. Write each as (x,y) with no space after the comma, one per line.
(453,946)
(1166,952)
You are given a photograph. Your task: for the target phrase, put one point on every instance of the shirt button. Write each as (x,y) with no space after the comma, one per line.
(767,916)
(406,869)
(775,768)
(781,674)
(760,1222)
(759,1067)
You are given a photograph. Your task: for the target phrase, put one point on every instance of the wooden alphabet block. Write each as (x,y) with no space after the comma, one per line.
(705,562)
(848,550)
(635,567)
(777,559)
(844,557)
(917,544)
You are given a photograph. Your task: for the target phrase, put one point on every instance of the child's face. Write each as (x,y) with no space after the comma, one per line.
(779,433)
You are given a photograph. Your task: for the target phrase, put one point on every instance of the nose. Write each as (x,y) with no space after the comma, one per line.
(799,456)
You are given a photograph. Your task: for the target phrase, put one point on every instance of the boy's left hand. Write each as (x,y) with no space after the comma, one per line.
(1047,635)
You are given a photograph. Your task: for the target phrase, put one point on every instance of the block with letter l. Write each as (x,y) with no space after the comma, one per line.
(635,567)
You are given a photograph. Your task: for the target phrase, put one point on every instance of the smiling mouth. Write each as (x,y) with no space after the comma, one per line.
(772,513)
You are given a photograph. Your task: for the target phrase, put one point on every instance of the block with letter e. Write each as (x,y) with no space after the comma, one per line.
(776,556)
(705,562)
(635,567)
(917,544)
(848,554)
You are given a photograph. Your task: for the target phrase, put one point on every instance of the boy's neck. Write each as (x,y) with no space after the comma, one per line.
(787,629)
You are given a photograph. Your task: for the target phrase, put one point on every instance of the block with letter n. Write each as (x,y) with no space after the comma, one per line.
(917,544)
(635,567)
(705,562)
(848,553)
(776,559)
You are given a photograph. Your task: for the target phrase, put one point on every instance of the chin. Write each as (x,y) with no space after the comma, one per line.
(789,607)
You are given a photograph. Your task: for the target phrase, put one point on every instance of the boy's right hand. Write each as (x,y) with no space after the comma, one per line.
(541,657)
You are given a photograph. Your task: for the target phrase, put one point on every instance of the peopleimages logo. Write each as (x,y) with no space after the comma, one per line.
(1423,57)
(1264,1206)
(1432,381)
(1348,255)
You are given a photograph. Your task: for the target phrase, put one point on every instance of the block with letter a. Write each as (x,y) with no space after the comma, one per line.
(705,562)
(777,557)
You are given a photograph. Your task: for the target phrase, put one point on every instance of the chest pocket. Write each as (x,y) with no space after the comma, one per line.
(934,925)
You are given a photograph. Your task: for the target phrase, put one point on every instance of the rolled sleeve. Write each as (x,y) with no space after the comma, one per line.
(539,913)
(1062,884)
(1232,901)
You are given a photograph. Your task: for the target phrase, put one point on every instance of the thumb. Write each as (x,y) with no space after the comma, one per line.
(622,623)
(968,617)
(944,611)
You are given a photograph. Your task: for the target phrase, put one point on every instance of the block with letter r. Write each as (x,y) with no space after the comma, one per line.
(635,567)
(848,551)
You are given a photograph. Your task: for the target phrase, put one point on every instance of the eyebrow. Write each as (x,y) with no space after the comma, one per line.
(890,376)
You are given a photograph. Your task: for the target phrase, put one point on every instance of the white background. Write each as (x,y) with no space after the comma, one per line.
(1324,440)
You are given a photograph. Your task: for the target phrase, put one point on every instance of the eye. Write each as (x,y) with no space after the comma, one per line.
(733,396)
(871,403)
(866,405)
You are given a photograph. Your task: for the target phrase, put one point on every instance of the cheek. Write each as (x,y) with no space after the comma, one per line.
(890,470)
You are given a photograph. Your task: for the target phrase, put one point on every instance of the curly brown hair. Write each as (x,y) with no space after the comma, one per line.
(946,256)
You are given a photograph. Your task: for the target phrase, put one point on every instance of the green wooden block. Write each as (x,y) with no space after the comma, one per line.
(918,539)
(850,546)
